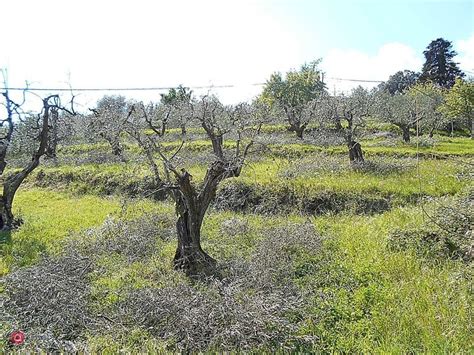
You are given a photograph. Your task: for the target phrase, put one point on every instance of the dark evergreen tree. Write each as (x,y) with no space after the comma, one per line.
(439,66)
(400,82)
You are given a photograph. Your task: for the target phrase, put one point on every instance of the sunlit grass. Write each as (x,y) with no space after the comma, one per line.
(426,178)
(366,298)
(396,302)
(429,177)
(407,305)
(48,217)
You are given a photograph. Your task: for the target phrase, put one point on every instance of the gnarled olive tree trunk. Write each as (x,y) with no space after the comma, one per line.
(191,207)
(298,129)
(10,187)
(406,133)
(189,254)
(13,182)
(355,150)
(295,123)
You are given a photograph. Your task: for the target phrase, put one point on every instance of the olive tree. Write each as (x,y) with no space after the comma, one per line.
(293,92)
(148,125)
(38,127)
(459,103)
(428,99)
(352,110)
(399,110)
(108,121)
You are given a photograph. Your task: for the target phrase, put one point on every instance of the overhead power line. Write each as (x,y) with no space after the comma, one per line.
(161,88)
(131,88)
(358,80)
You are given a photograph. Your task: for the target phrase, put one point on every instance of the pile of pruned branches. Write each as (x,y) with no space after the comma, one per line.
(246,305)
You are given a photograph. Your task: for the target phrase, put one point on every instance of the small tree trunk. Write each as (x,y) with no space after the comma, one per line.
(299,132)
(189,255)
(472,128)
(6,215)
(406,133)
(51,153)
(217,146)
(355,152)
(10,187)
(298,129)
(117,149)
(51,150)
(295,123)
(115,145)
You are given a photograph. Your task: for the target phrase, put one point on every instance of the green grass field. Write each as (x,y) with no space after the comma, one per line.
(360,295)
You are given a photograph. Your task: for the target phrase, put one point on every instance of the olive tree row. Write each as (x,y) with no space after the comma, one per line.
(419,106)
(108,119)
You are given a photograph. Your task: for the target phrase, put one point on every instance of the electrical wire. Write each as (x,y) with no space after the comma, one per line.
(161,88)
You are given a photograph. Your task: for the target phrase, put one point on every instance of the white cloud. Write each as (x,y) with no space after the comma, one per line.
(465,49)
(390,58)
(354,64)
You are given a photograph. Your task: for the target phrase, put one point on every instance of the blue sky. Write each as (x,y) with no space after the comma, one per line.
(367,25)
(140,43)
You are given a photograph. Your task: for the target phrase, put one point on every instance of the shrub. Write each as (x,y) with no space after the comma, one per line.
(282,198)
(386,166)
(51,300)
(423,141)
(446,234)
(234,226)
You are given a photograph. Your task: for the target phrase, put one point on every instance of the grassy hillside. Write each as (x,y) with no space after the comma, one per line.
(314,255)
